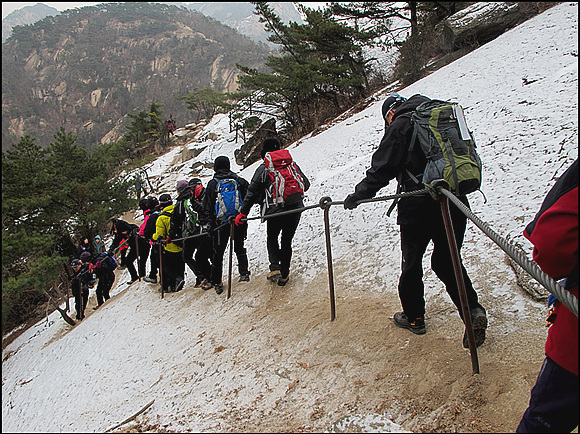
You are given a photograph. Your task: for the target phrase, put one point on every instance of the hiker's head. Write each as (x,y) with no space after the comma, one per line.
(196,186)
(98,238)
(86,257)
(152,202)
(181,185)
(165,200)
(270,145)
(75,263)
(390,105)
(143,204)
(221,163)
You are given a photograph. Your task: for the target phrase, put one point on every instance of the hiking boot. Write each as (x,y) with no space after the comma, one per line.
(130,282)
(96,307)
(479,323)
(282,281)
(150,279)
(179,284)
(417,326)
(199,283)
(244,278)
(273,275)
(206,285)
(219,288)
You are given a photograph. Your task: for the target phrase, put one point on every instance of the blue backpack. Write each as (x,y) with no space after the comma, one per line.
(228,202)
(107,262)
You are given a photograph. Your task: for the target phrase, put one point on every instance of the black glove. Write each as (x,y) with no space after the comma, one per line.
(351,201)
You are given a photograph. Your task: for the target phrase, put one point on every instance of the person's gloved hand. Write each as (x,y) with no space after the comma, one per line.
(98,264)
(351,201)
(239,218)
(167,241)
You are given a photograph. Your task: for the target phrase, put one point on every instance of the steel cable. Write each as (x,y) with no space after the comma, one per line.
(566,297)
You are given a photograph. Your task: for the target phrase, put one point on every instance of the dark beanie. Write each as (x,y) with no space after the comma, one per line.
(269,145)
(391,102)
(165,200)
(221,163)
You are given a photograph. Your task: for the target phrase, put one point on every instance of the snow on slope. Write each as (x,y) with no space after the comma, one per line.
(520,93)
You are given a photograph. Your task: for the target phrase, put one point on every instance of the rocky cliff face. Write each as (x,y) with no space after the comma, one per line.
(86,69)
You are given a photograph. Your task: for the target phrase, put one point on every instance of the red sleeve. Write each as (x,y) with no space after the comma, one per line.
(555,236)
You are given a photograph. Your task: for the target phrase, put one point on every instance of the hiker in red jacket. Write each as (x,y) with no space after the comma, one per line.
(261,190)
(554,233)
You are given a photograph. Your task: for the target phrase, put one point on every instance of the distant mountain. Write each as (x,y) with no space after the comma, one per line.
(240,16)
(24,16)
(86,69)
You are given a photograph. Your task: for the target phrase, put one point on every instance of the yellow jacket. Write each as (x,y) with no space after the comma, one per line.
(162,229)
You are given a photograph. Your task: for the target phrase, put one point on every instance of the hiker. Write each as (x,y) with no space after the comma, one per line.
(553,403)
(261,191)
(173,272)
(143,243)
(189,219)
(170,125)
(105,266)
(84,246)
(79,283)
(149,230)
(221,229)
(125,233)
(420,220)
(98,246)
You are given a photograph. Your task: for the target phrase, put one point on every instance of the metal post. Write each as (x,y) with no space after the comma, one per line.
(325,204)
(229,294)
(458,274)
(161,269)
(138,261)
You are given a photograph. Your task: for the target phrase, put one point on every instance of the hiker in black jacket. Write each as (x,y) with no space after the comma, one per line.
(190,218)
(124,230)
(221,230)
(260,191)
(420,220)
(79,283)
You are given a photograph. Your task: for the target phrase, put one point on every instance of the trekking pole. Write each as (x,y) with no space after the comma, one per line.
(229,294)
(138,262)
(325,203)
(161,268)
(457,268)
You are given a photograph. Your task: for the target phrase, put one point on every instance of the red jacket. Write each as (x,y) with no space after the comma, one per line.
(554,234)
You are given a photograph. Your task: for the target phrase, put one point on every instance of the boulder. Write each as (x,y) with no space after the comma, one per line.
(250,151)
(480,23)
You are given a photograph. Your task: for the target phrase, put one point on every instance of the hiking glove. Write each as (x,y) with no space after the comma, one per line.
(239,218)
(351,201)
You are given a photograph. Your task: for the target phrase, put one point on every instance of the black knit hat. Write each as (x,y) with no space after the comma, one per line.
(269,145)
(221,163)
(165,200)
(393,101)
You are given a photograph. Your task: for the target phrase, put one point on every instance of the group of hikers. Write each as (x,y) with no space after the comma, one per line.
(195,231)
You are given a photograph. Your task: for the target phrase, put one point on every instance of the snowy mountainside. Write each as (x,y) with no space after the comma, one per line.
(271,361)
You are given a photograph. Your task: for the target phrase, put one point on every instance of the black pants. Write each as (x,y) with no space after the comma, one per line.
(202,248)
(154,261)
(173,269)
(414,241)
(553,402)
(280,254)
(81,300)
(106,280)
(221,238)
(144,248)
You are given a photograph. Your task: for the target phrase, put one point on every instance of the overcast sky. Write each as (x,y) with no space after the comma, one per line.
(8,7)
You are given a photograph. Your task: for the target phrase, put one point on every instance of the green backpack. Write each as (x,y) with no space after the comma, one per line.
(190,226)
(448,145)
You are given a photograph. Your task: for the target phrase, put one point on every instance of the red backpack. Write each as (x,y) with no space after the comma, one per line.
(284,174)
